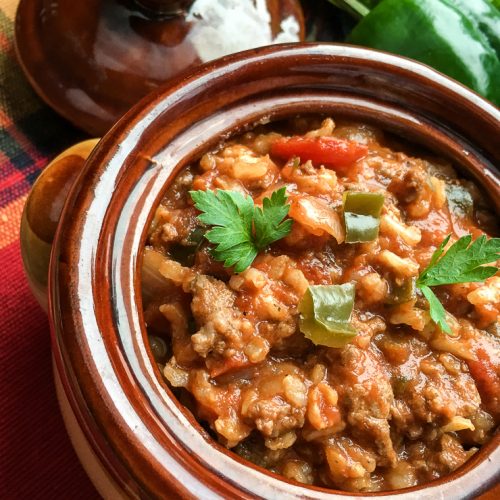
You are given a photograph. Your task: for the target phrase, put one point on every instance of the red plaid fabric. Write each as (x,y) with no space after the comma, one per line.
(36,457)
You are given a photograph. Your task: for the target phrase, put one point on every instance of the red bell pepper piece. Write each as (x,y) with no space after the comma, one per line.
(336,154)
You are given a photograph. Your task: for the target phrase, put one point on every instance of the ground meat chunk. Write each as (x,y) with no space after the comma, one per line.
(368,397)
(409,181)
(435,396)
(209,296)
(277,402)
(222,326)
(274,416)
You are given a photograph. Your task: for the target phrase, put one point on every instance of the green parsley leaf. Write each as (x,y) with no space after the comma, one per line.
(462,263)
(437,311)
(241,229)
(268,220)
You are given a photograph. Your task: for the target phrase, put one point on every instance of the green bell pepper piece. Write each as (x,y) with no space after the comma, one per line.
(457,37)
(460,201)
(404,292)
(325,314)
(362,216)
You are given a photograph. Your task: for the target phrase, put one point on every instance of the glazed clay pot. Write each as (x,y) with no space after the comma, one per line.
(133,436)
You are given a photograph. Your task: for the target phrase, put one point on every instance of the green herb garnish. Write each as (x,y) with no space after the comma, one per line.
(325,314)
(241,229)
(462,263)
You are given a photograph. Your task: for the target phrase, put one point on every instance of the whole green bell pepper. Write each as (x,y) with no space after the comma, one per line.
(485,16)
(460,38)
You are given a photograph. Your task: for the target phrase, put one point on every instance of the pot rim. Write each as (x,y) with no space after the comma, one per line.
(94,285)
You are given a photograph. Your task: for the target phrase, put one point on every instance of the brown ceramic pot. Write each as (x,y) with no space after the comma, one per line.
(133,436)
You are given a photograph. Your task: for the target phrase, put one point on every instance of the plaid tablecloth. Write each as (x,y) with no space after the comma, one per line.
(36,457)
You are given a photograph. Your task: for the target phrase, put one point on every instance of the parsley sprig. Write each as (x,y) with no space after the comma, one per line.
(241,230)
(462,263)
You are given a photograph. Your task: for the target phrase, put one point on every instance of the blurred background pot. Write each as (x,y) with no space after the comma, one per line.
(91,61)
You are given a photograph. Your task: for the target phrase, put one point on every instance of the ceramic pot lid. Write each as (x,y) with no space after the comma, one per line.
(91,61)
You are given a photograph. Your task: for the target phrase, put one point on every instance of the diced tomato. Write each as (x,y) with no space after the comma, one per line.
(336,154)
(220,367)
(487,377)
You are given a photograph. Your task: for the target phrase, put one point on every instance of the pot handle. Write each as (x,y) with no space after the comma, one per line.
(42,211)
